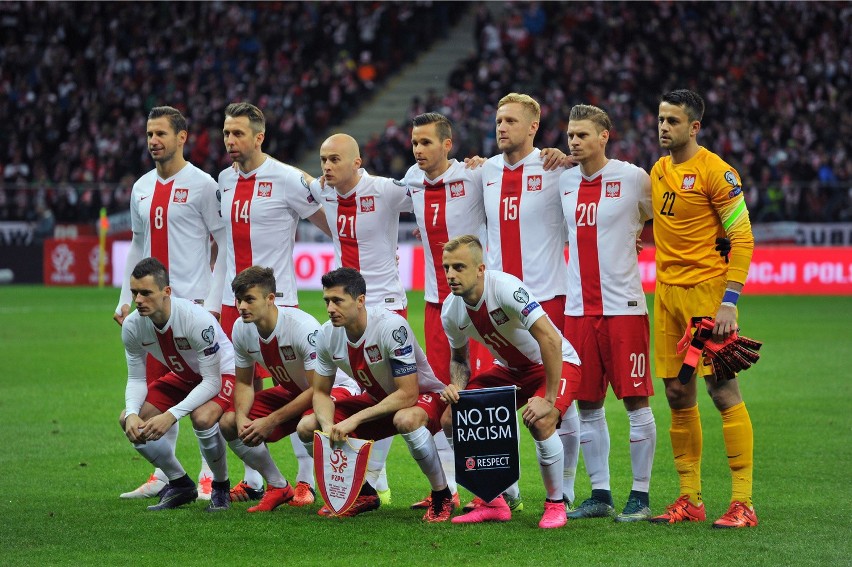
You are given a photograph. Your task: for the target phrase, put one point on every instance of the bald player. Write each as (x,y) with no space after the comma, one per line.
(363,213)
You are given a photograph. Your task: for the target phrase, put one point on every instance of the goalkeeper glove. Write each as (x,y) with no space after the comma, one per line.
(733,355)
(723,247)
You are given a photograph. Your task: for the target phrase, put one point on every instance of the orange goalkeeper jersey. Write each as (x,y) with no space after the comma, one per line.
(694,203)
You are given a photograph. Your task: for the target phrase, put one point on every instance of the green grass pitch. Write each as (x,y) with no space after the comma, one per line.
(64,461)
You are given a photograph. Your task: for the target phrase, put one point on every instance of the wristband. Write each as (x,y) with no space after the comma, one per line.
(730,297)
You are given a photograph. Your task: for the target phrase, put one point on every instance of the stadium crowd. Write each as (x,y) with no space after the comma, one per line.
(776,102)
(77,95)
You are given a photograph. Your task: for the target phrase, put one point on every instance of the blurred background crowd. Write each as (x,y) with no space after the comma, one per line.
(77,81)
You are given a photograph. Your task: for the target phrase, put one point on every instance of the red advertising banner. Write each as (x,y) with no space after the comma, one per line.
(73,261)
(817,270)
(803,270)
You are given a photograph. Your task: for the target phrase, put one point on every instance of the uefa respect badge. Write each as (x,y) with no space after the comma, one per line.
(486,440)
(340,469)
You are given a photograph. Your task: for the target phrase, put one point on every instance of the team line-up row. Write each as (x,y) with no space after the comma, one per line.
(560,332)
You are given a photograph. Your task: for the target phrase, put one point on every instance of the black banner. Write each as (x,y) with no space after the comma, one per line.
(485,440)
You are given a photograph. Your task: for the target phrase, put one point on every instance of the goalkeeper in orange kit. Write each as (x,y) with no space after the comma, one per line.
(698,201)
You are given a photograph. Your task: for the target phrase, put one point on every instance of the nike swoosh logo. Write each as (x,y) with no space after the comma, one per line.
(327,200)
(226,189)
(679,456)
(660,177)
(143,197)
(465,327)
(253,351)
(335,358)
(490,183)
(637,384)
(586,441)
(149,344)
(734,456)
(638,440)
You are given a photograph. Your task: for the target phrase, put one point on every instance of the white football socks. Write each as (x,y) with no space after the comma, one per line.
(304,460)
(260,461)
(215,451)
(161,454)
(643,443)
(569,435)
(421,445)
(594,441)
(551,461)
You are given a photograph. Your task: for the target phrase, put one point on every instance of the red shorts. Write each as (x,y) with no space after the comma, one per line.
(531,382)
(555,309)
(274,398)
(171,389)
(438,350)
(613,350)
(382,428)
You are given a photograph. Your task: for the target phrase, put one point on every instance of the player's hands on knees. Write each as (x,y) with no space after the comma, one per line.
(157,426)
(537,408)
(725,323)
(450,395)
(133,429)
(120,317)
(257,432)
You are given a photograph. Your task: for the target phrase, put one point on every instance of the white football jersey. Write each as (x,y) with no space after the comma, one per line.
(365,225)
(387,350)
(173,220)
(262,209)
(288,353)
(192,345)
(445,208)
(501,321)
(526,233)
(605,214)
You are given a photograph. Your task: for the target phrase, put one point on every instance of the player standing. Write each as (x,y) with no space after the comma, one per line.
(174,210)
(377,348)
(606,203)
(447,200)
(526,235)
(697,198)
(282,339)
(199,382)
(262,202)
(364,211)
(497,310)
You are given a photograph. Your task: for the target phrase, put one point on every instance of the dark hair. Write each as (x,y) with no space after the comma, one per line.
(152,267)
(441,122)
(253,113)
(176,119)
(691,102)
(349,278)
(254,276)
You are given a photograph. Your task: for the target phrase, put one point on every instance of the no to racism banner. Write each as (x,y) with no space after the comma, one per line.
(485,440)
